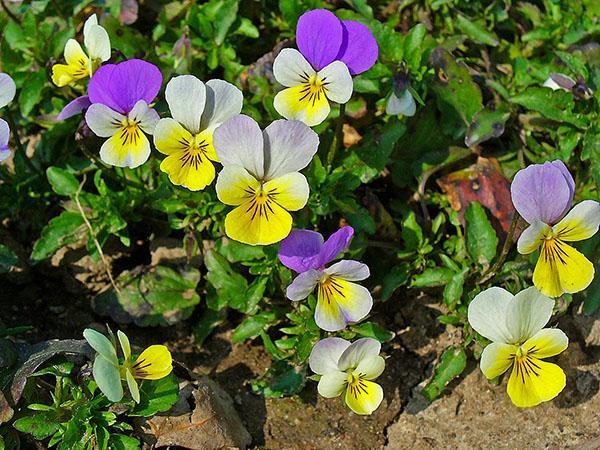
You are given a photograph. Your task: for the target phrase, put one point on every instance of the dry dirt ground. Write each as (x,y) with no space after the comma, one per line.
(472,414)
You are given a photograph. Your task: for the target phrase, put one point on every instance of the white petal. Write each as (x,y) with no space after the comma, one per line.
(527,314)
(496,359)
(125,345)
(97,42)
(303,285)
(533,236)
(371,367)
(289,147)
(488,312)
(186,96)
(405,104)
(8,89)
(4,133)
(290,68)
(89,23)
(581,223)
(326,353)
(223,101)
(550,83)
(102,120)
(338,82)
(332,384)
(146,117)
(360,350)
(239,141)
(349,270)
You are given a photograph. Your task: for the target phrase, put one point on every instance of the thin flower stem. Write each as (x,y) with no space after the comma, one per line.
(20,147)
(9,13)
(337,138)
(93,235)
(491,272)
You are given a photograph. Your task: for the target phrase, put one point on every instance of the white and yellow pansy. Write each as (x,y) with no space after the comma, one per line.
(197,109)
(515,325)
(308,92)
(260,176)
(349,369)
(80,65)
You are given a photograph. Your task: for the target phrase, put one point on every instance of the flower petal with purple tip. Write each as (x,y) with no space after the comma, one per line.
(121,86)
(319,36)
(300,250)
(4,137)
(359,50)
(337,243)
(74,107)
(542,192)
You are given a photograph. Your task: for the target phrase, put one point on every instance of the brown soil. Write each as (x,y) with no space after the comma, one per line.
(472,413)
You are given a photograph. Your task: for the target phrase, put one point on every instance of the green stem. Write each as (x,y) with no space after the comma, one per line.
(9,13)
(504,253)
(337,138)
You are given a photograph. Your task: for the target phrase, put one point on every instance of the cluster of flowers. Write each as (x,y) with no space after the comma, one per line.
(261,179)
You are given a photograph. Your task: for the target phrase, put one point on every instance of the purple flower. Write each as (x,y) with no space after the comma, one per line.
(8,90)
(543,192)
(331,51)
(121,95)
(4,137)
(340,301)
(74,107)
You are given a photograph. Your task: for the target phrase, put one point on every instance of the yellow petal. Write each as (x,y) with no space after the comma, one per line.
(170,137)
(340,302)
(547,342)
(194,172)
(77,66)
(290,191)
(258,223)
(154,363)
(561,268)
(581,223)
(129,147)
(363,396)
(497,359)
(534,381)
(235,185)
(302,103)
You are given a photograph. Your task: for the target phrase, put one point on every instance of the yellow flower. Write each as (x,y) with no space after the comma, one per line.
(78,64)
(260,176)
(153,363)
(515,325)
(561,268)
(186,139)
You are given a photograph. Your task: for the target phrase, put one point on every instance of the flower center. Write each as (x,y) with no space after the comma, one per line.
(261,201)
(552,249)
(356,384)
(313,88)
(329,287)
(81,68)
(525,362)
(130,132)
(194,150)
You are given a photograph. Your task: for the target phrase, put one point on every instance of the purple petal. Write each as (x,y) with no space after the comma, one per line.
(300,250)
(359,48)
(336,243)
(121,86)
(4,137)
(319,36)
(543,192)
(74,107)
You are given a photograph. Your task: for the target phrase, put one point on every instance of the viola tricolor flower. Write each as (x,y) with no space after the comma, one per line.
(339,300)
(197,110)
(349,369)
(515,325)
(79,64)
(401,100)
(261,176)
(120,95)
(153,363)
(542,194)
(331,51)
(8,89)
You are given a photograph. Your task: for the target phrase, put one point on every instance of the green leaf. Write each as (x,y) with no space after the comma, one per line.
(8,259)
(60,231)
(235,251)
(481,237)
(230,286)
(40,426)
(161,296)
(62,181)
(555,105)
(157,396)
(252,326)
(478,31)
(281,380)
(436,276)
(31,91)
(413,46)
(395,278)
(123,442)
(209,320)
(373,330)
(412,233)
(454,289)
(486,124)
(451,364)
